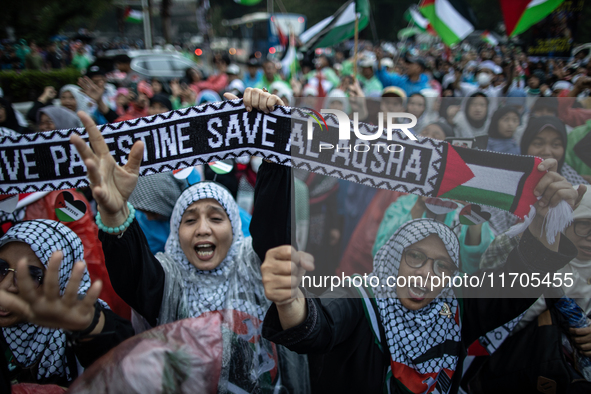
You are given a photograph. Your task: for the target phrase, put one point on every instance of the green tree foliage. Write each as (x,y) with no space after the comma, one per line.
(29,84)
(41,19)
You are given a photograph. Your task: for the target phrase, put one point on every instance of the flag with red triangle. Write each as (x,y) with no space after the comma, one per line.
(520,15)
(490,179)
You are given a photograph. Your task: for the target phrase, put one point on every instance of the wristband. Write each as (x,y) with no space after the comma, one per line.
(75,336)
(117,229)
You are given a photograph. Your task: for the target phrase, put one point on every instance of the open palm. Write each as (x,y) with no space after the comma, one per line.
(111,184)
(45,306)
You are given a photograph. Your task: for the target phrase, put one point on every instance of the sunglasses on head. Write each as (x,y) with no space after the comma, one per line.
(35,272)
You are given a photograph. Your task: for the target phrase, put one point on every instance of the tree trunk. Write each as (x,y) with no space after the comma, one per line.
(165,15)
(120,21)
(151,21)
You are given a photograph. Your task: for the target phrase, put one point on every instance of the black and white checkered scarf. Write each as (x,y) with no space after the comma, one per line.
(411,335)
(31,344)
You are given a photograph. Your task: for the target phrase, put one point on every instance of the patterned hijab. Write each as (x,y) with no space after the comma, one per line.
(418,341)
(207,291)
(30,343)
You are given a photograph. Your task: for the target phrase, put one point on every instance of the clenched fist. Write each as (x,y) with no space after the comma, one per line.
(282,273)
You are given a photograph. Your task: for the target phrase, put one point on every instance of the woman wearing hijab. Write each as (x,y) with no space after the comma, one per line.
(472,120)
(72,98)
(8,119)
(545,136)
(417,105)
(208,266)
(410,338)
(579,233)
(39,354)
(57,118)
(501,130)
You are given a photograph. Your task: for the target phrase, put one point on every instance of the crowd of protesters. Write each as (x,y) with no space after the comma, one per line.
(214,247)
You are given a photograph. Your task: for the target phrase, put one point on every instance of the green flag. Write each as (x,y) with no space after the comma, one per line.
(338,27)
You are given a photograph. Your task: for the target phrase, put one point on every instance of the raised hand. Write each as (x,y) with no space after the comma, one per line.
(91,89)
(49,93)
(110,183)
(45,307)
(257,99)
(282,273)
(552,189)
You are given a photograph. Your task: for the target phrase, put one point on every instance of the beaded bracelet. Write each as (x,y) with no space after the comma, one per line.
(118,229)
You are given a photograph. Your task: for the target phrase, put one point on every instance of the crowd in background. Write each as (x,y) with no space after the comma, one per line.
(524,106)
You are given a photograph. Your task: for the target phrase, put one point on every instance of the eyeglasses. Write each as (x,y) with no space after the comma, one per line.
(416,259)
(35,272)
(583,228)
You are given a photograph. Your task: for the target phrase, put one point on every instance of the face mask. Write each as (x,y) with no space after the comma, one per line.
(483,79)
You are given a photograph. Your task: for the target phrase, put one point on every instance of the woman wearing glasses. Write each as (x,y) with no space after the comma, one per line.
(37,292)
(412,337)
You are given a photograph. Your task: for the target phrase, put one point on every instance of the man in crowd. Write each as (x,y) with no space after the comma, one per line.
(413,81)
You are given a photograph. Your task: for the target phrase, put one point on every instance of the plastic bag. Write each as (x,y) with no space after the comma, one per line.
(180,357)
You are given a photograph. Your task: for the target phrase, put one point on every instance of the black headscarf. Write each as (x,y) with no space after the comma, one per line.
(493,128)
(11,121)
(161,99)
(550,103)
(539,123)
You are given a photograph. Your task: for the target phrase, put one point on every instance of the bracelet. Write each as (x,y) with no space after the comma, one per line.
(117,229)
(74,336)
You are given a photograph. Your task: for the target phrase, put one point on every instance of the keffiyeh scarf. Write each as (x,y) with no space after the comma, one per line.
(31,344)
(424,345)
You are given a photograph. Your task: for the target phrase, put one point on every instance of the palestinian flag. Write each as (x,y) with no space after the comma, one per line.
(67,209)
(489,38)
(519,15)
(414,15)
(133,16)
(289,63)
(282,36)
(11,202)
(220,167)
(452,20)
(500,183)
(338,27)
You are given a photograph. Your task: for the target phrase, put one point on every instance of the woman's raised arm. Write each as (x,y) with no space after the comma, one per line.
(110,183)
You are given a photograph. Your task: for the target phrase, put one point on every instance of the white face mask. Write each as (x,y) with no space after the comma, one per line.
(484,79)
